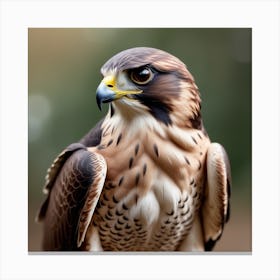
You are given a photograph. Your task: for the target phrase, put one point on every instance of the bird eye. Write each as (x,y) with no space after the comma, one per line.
(141,76)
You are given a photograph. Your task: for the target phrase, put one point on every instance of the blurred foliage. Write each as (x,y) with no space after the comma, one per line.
(64,72)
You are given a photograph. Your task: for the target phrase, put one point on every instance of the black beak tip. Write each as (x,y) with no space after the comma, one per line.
(99,103)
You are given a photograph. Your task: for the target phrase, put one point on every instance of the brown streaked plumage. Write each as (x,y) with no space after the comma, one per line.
(147,177)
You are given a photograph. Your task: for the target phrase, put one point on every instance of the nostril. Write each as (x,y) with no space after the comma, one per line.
(109,85)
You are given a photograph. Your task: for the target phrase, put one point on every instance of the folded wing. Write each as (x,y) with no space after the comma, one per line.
(73,184)
(215,210)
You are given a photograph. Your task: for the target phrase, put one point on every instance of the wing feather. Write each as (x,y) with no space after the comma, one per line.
(93,196)
(215,209)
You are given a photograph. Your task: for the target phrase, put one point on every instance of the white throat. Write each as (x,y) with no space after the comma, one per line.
(134,119)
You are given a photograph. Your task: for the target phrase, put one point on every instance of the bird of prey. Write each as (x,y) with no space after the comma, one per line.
(147,177)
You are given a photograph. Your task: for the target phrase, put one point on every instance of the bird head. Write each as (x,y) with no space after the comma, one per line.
(148,80)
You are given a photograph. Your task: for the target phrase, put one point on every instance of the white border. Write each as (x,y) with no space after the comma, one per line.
(17,16)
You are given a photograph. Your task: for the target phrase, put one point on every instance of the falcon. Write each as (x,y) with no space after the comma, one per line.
(147,177)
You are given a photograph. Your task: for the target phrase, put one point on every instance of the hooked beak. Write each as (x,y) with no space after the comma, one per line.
(108,91)
(104,95)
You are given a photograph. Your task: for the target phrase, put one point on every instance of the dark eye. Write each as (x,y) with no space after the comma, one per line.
(141,76)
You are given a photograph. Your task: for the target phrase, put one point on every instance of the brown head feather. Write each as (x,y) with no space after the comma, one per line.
(136,57)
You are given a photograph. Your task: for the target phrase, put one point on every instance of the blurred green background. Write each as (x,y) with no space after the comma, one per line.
(64,72)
